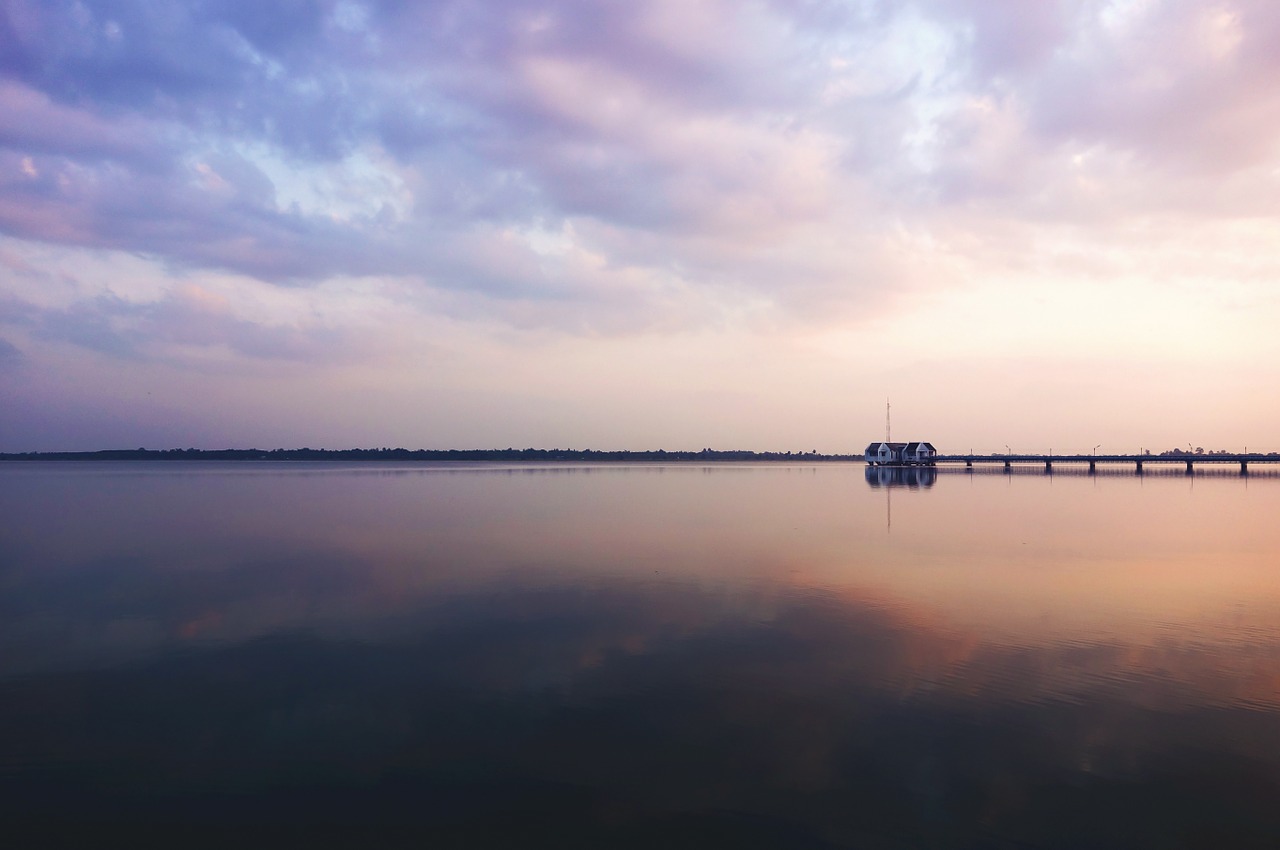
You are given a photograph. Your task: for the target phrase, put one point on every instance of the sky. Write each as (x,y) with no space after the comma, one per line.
(679,224)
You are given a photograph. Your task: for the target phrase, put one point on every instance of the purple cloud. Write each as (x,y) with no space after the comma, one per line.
(450,88)
(10,354)
(763,153)
(189,318)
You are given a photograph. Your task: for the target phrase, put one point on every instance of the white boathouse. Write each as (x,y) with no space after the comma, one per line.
(900,454)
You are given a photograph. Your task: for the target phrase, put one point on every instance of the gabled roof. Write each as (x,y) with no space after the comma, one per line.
(916,446)
(875,447)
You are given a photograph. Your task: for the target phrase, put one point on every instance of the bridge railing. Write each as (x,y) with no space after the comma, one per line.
(1113,458)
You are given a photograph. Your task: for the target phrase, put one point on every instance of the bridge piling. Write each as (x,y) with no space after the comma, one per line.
(1189,469)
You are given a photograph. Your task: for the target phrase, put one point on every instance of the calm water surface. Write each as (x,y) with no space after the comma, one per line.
(681,656)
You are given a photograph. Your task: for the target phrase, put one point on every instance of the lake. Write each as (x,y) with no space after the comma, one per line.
(208,654)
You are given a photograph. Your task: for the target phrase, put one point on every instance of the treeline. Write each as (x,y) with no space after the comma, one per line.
(400,454)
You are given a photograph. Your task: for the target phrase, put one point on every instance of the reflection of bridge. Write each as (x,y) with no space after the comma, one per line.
(1093,460)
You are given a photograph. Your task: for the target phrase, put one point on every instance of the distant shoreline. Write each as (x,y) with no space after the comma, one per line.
(411,455)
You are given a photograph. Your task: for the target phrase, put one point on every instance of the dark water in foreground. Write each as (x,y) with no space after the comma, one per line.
(769,656)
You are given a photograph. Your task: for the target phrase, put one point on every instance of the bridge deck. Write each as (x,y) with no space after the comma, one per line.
(1138,461)
(1135,458)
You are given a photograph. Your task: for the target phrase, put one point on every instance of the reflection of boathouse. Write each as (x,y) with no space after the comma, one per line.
(900,454)
(901,476)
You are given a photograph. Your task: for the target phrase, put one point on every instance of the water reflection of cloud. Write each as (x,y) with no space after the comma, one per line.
(121,614)
(630,703)
(104,565)
(645,652)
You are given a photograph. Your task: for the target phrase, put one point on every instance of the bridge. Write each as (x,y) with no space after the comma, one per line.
(1138,460)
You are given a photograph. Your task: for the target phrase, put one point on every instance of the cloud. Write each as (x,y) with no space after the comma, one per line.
(690,161)
(543,115)
(191,325)
(1133,109)
(32,121)
(10,354)
(1183,85)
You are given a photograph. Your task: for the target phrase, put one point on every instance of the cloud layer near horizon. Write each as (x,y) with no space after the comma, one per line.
(529,201)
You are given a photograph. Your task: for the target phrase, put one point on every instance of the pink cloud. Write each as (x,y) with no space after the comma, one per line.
(31,121)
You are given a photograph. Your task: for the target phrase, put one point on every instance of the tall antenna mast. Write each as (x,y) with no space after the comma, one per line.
(887,432)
